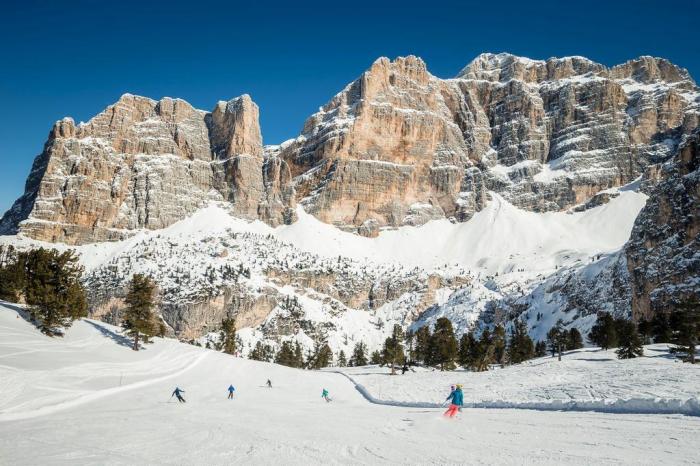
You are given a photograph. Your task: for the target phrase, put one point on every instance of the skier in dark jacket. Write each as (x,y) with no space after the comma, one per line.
(177,393)
(231,389)
(269,383)
(404,369)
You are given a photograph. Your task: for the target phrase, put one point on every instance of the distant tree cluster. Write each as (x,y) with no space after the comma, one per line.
(48,281)
(679,326)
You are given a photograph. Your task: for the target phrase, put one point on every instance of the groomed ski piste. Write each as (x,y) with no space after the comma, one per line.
(87,398)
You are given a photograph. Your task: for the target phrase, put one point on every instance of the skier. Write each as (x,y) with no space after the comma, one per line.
(457,399)
(177,393)
(404,369)
(269,383)
(231,389)
(324,395)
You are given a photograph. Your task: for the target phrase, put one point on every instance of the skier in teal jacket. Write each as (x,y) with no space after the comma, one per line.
(457,400)
(324,395)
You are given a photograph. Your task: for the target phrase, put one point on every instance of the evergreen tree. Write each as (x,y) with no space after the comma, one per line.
(376,358)
(51,286)
(540,349)
(410,339)
(139,318)
(285,356)
(685,323)
(466,348)
(11,274)
(575,340)
(630,343)
(646,330)
(520,348)
(228,335)
(604,333)
(558,339)
(499,344)
(261,352)
(298,356)
(322,356)
(422,348)
(342,361)
(359,355)
(661,330)
(482,353)
(392,353)
(443,346)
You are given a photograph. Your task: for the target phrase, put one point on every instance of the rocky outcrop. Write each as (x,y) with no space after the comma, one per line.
(663,253)
(147,164)
(397,146)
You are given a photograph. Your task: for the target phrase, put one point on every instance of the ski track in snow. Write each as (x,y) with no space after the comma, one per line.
(288,424)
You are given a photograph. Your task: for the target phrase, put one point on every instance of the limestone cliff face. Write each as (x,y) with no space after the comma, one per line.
(397,146)
(663,254)
(146,164)
(400,146)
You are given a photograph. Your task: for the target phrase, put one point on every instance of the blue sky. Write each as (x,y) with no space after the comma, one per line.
(74,59)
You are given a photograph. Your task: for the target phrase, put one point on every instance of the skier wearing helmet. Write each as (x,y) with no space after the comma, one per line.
(456,399)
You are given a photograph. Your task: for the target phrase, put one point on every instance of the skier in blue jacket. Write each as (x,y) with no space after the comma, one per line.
(177,393)
(231,389)
(457,400)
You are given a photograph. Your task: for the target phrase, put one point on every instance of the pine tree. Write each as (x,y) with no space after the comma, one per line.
(285,356)
(422,348)
(410,340)
(342,361)
(359,355)
(482,353)
(139,319)
(11,274)
(630,343)
(228,335)
(685,322)
(499,344)
(520,347)
(51,286)
(604,333)
(298,357)
(575,340)
(540,349)
(443,346)
(393,353)
(558,339)
(322,356)
(376,358)
(466,348)
(261,352)
(661,328)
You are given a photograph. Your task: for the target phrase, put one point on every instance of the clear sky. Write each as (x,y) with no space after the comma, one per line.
(75,58)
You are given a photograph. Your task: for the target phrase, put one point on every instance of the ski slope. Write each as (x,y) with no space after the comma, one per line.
(588,379)
(89,399)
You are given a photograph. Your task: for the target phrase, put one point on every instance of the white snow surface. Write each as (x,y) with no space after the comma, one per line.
(498,239)
(87,398)
(585,379)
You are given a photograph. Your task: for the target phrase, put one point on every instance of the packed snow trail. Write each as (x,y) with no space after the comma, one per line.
(286,424)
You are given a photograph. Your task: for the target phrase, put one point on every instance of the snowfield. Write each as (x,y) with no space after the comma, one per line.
(588,379)
(88,398)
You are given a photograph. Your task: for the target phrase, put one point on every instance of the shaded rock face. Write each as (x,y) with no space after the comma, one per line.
(397,146)
(663,253)
(146,164)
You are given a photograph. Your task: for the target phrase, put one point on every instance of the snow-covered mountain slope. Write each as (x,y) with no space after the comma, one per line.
(311,281)
(88,399)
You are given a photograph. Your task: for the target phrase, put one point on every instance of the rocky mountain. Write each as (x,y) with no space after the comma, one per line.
(147,164)
(507,192)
